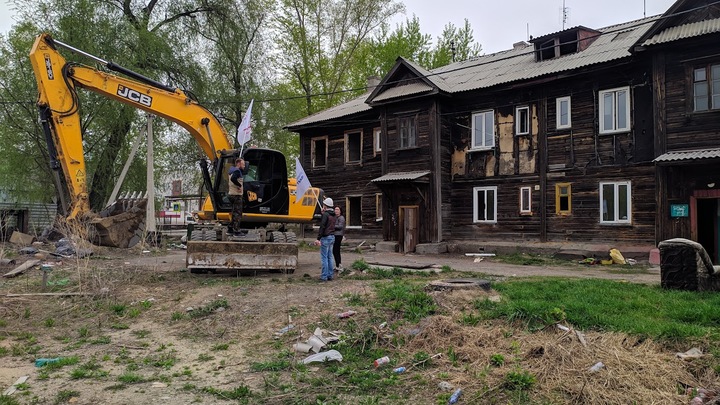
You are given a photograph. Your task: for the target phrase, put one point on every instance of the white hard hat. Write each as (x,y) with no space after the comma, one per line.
(329,202)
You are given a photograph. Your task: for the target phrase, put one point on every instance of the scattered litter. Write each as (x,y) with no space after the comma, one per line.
(455,396)
(399,370)
(596,367)
(478,259)
(302,347)
(220,309)
(20,238)
(631,262)
(158,384)
(7,262)
(13,388)
(346,314)
(21,268)
(317,343)
(189,309)
(693,353)
(42,362)
(382,325)
(146,251)
(28,250)
(445,386)
(381,361)
(330,355)
(616,256)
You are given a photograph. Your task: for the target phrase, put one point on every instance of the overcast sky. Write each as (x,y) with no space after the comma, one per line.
(499,24)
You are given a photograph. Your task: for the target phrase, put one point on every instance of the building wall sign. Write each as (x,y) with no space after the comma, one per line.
(679,210)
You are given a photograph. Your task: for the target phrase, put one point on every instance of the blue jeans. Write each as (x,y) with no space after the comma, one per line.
(326,257)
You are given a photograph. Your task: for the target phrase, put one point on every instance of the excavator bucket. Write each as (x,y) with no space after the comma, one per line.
(121,224)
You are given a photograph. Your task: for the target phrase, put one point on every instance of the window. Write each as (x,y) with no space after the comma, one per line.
(408,132)
(376,141)
(562,119)
(615,203)
(522,120)
(378,207)
(353,147)
(614,110)
(353,212)
(525,200)
(706,88)
(483,130)
(563,200)
(318,151)
(485,204)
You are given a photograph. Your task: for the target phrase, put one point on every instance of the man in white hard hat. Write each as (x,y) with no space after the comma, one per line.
(326,239)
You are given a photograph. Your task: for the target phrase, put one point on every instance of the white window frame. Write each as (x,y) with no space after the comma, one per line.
(483,136)
(558,112)
(476,217)
(347,147)
(377,148)
(525,200)
(519,121)
(615,113)
(616,202)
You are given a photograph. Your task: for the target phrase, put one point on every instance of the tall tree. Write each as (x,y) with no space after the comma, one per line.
(319,42)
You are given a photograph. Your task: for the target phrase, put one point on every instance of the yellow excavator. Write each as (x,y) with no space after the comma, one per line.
(269,195)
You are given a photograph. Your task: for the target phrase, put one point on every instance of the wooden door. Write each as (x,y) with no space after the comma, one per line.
(408,228)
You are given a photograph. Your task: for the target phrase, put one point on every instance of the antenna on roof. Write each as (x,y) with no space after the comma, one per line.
(644,9)
(453,50)
(564,14)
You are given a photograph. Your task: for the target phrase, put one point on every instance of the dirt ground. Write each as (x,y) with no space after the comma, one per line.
(136,341)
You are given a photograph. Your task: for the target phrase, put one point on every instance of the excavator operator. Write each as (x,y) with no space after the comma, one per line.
(235,192)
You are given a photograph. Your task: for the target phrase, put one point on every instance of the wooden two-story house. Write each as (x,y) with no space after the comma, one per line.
(557,139)
(683,49)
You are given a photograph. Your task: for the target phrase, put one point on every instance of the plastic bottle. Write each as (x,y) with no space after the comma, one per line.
(399,370)
(346,314)
(597,367)
(382,360)
(455,396)
(42,362)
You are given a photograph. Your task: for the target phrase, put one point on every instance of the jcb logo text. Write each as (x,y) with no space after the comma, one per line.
(134,95)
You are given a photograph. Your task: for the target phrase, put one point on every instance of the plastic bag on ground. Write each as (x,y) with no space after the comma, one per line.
(329,355)
(616,256)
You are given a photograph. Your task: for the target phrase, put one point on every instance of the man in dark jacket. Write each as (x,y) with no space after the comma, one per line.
(235,193)
(326,239)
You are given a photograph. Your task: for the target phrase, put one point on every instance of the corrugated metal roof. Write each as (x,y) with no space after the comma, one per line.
(504,67)
(404,90)
(519,64)
(685,31)
(353,106)
(401,176)
(695,154)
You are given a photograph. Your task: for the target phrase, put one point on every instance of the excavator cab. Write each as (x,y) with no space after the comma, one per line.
(265,183)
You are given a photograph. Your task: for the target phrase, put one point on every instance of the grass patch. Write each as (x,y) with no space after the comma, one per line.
(65,396)
(528,259)
(237,393)
(607,305)
(209,308)
(408,300)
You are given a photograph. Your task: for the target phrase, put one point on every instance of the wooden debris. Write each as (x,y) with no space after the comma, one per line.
(13,388)
(21,268)
(20,238)
(60,294)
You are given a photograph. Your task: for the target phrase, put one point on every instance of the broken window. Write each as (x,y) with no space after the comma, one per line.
(318,151)
(353,211)
(563,201)
(353,147)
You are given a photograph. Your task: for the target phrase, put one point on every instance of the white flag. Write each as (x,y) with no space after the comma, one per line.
(303,183)
(245,129)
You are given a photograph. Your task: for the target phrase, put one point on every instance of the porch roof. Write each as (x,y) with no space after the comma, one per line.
(401,176)
(688,155)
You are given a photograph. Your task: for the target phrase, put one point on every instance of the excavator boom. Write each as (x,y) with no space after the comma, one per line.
(269,198)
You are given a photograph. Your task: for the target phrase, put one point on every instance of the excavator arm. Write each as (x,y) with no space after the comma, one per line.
(57,81)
